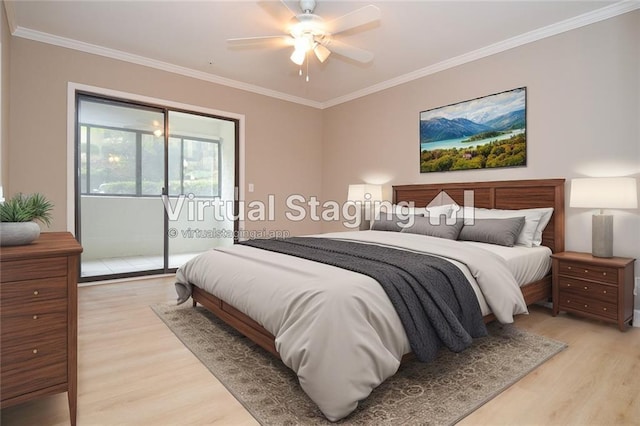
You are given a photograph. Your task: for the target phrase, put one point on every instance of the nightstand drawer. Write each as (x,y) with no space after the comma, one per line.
(23,293)
(585,271)
(588,289)
(571,302)
(27,269)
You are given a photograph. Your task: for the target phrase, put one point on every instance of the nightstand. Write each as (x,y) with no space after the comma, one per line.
(594,287)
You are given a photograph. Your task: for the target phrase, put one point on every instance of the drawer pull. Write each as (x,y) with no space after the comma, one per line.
(604,274)
(604,309)
(586,271)
(35,351)
(35,317)
(569,267)
(586,288)
(586,306)
(604,291)
(35,292)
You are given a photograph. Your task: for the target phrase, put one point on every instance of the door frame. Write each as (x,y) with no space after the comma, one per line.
(74,88)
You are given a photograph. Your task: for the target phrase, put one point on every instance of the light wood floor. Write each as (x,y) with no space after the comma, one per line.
(134,371)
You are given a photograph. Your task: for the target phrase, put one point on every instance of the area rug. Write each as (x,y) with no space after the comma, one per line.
(438,393)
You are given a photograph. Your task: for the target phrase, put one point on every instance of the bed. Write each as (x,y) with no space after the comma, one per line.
(321,378)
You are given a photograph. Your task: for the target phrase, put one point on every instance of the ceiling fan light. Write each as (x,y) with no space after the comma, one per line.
(298,55)
(322,53)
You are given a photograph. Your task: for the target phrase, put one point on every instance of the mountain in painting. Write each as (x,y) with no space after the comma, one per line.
(509,121)
(440,129)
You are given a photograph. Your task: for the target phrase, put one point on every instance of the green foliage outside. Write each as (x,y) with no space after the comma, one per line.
(505,153)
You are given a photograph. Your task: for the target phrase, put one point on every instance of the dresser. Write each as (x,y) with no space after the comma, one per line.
(38,319)
(594,287)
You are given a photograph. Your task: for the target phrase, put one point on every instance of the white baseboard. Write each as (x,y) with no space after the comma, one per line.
(636,318)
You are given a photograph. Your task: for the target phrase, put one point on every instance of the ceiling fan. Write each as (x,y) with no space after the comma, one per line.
(308,32)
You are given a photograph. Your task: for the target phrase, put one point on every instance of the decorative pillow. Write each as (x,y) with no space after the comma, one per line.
(528,232)
(493,231)
(448,229)
(392,222)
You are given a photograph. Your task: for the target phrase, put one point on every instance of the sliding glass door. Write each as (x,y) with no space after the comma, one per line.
(146,200)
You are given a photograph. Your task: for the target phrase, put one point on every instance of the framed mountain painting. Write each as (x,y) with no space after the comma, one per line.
(481,133)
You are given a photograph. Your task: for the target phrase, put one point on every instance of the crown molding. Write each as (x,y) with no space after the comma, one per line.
(160,65)
(588,18)
(11,15)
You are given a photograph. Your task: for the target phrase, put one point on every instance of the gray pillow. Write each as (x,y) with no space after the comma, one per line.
(493,231)
(423,226)
(390,223)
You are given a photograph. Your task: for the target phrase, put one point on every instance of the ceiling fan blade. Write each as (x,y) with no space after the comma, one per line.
(322,53)
(283,40)
(358,17)
(278,10)
(348,51)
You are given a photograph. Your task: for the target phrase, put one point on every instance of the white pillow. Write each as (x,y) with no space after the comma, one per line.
(544,221)
(440,210)
(532,217)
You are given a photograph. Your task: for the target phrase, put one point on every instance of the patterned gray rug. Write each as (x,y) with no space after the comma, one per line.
(439,393)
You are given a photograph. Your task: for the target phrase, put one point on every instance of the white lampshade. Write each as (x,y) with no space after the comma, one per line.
(604,193)
(298,56)
(322,53)
(364,192)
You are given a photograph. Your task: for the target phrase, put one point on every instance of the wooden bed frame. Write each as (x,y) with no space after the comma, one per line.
(519,194)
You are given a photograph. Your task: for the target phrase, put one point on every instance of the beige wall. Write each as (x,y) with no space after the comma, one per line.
(582,120)
(4,99)
(282,142)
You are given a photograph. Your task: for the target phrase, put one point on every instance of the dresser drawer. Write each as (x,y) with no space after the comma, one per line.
(33,375)
(584,271)
(17,328)
(24,293)
(28,269)
(589,289)
(33,364)
(15,308)
(34,347)
(571,302)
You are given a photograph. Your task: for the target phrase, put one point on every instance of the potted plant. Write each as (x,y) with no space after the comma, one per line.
(18,216)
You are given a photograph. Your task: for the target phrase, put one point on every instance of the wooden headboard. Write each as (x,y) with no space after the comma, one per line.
(511,194)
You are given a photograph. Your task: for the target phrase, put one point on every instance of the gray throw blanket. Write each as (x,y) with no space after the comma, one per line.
(432,297)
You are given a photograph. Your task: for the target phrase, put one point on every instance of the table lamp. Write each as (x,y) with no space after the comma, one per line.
(364,195)
(603,193)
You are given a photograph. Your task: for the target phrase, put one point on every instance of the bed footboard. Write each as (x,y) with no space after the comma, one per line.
(236,319)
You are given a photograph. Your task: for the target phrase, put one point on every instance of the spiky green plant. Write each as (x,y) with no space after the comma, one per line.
(25,208)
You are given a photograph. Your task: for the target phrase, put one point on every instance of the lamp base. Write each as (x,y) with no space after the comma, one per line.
(602,235)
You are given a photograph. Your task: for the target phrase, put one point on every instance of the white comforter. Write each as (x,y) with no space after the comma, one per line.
(336,328)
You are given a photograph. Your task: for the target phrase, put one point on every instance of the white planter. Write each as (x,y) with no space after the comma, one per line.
(18,233)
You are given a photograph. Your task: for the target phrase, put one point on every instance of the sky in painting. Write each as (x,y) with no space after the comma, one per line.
(481,110)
